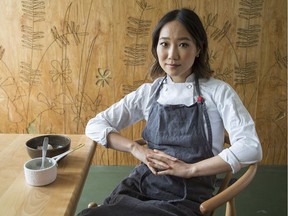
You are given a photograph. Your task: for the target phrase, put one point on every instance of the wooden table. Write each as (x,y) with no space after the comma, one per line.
(60,197)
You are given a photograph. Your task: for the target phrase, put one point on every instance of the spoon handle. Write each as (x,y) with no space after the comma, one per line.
(44,150)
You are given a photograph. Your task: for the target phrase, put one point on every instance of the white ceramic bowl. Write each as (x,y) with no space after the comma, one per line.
(39,177)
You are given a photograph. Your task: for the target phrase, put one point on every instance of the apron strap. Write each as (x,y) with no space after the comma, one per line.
(159,87)
(200,100)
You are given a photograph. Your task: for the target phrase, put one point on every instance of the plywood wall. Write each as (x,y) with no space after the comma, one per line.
(61,62)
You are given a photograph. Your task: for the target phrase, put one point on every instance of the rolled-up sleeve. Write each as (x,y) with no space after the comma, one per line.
(97,129)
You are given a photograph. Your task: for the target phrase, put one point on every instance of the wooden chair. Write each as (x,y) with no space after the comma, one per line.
(226,193)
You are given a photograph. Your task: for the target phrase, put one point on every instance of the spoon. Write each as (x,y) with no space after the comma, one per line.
(44,151)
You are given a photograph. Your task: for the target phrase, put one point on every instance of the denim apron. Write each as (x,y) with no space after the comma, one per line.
(177,130)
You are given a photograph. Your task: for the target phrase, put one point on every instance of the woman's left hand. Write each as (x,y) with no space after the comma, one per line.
(176,167)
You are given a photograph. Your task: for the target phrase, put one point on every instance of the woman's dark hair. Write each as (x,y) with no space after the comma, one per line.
(190,20)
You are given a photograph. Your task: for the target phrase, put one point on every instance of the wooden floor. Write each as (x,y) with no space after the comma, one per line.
(265,196)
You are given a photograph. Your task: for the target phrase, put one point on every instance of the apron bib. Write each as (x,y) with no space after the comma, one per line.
(178,130)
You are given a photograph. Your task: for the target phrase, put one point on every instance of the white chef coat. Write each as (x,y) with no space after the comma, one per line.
(225,111)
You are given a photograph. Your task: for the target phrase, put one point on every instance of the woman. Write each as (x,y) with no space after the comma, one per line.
(187,112)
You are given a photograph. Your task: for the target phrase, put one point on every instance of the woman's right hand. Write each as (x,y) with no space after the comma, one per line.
(141,153)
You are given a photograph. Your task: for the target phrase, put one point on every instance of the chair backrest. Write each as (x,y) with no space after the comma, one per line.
(227,192)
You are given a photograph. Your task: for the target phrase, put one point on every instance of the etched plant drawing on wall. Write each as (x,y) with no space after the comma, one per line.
(32,105)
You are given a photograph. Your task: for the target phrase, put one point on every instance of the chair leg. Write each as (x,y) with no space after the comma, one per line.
(230,208)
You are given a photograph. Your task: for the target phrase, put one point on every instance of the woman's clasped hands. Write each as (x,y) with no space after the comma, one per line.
(161,163)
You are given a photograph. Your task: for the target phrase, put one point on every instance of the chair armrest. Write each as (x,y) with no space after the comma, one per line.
(230,192)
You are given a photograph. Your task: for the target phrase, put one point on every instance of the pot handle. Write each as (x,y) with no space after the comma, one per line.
(58,157)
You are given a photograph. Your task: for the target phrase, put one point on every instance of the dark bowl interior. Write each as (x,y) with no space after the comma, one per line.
(59,144)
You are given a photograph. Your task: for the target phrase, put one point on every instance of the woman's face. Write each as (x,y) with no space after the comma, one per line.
(176,51)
